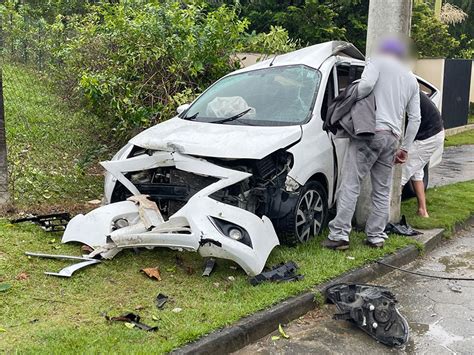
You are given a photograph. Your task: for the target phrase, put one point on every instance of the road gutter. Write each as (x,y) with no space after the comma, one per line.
(262,323)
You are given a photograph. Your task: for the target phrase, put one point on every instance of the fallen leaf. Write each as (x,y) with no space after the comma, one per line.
(176,310)
(152,272)
(155,318)
(129,325)
(22,276)
(275,337)
(5,287)
(282,332)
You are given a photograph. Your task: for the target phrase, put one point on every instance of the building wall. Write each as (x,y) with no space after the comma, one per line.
(471,96)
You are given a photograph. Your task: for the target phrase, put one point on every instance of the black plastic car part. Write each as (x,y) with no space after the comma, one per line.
(372,309)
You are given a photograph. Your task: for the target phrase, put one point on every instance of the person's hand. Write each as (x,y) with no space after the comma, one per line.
(401,156)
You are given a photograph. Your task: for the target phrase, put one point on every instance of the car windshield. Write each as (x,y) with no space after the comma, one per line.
(271,96)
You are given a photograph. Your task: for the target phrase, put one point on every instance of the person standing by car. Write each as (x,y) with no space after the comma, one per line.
(396,91)
(430,138)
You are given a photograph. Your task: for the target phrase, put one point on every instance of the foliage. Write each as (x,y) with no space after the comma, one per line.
(276,41)
(308,21)
(136,63)
(431,36)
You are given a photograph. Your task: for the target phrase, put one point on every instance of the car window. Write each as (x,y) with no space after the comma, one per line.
(346,74)
(427,89)
(271,96)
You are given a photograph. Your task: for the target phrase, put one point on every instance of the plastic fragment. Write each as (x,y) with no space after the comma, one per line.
(176,310)
(209,267)
(131,321)
(161,300)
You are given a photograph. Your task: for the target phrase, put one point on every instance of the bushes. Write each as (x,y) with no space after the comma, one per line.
(137,63)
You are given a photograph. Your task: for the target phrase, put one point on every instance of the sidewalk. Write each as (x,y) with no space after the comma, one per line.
(440,312)
(457,165)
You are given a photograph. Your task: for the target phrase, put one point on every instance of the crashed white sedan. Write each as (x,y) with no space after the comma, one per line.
(244,167)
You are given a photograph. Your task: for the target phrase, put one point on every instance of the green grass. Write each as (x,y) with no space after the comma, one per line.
(470,118)
(462,138)
(52,149)
(447,206)
(117,286)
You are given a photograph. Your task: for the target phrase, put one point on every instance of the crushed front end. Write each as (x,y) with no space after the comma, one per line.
(220,208)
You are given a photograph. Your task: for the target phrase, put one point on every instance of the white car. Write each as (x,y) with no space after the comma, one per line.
(244,167)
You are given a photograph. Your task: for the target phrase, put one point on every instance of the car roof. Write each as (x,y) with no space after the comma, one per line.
(312,56)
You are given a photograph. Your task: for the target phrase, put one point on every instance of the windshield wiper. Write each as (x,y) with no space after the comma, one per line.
(233,118)
(191,117)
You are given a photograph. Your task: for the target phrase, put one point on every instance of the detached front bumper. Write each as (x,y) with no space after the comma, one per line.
(202,224)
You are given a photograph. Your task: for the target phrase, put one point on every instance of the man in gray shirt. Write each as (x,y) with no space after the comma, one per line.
(396,91)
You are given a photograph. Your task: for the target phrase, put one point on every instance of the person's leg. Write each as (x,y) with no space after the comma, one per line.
(419,187)
(357,163)
(381,178)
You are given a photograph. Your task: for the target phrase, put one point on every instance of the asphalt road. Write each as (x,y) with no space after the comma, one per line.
(457,165)
(440,312)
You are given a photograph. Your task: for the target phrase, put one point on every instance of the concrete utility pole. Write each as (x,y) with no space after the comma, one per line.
(385,17)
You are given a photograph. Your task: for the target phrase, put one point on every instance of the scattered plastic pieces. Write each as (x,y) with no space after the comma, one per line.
(55,222)
(209,267)
(68,270)
(401,228)
(278,273)
(161,300)
(152,272)
(131,321)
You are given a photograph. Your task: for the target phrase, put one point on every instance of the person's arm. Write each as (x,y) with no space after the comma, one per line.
(414,119)
(368,79)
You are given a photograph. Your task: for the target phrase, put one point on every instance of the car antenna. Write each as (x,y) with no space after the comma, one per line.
(271,63)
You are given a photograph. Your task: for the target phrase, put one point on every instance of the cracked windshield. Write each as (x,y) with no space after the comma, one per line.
(268,97)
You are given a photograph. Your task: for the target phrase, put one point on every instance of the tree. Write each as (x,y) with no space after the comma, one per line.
(431,36)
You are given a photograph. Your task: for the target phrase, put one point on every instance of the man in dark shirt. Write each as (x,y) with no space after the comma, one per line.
(429,139)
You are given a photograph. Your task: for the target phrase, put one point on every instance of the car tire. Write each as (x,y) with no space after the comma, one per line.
(408,190)
(308,217)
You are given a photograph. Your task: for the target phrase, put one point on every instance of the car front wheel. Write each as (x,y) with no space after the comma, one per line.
(309,215)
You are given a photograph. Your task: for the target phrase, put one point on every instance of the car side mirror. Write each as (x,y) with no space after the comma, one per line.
(182,108)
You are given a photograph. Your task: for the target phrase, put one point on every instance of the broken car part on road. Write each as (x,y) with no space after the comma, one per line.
(55,222)
(372,309)
(68,270)
(278,273)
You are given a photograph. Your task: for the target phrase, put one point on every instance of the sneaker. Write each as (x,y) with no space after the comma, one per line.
(378,245)
(335,244)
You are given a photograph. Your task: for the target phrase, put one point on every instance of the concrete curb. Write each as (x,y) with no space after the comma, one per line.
(256,326)
(451,131)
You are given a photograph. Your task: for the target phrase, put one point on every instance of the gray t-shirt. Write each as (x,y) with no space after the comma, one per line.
(396,91)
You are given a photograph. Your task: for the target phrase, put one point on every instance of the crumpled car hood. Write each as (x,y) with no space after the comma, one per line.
(217,140)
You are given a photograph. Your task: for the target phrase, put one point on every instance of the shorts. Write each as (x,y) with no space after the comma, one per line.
(419,155)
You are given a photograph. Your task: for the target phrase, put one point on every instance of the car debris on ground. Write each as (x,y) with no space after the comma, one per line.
(209,267)
(68,270)
(132,319)
(161,300)
(372,309)
(282,272)
(55,222)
